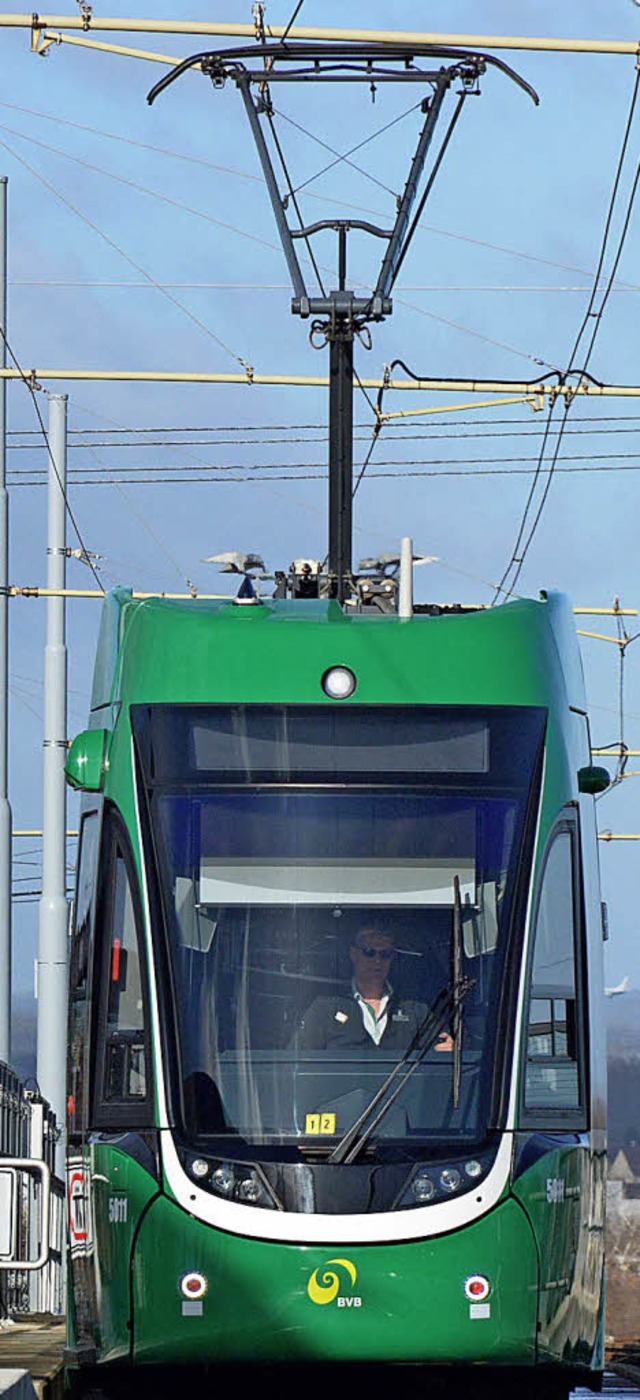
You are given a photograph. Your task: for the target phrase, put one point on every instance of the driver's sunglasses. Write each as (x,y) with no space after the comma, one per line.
(384,954)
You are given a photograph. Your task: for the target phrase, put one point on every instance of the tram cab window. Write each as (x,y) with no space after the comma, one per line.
(122,1051)
(80,967)
(553,1057)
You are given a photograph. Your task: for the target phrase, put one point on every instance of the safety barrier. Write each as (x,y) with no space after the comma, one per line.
(32,1202)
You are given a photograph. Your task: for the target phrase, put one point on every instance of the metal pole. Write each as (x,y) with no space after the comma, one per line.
(5,809)
(405,591)
(52,948)
(340,456)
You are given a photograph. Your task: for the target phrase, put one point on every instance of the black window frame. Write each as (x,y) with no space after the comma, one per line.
(108,1113)
(551,1119)
(92,811)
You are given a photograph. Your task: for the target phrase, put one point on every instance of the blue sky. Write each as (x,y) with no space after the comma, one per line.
(111,201)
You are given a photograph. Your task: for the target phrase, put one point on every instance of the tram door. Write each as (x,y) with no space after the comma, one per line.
(81,1232)
(110,1102)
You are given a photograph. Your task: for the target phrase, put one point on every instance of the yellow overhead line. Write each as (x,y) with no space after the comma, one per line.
(618,836)
(42,38)
(318,381)
(33,591)
(541,44)
(608,612)
(599,636)
(531,399)
(36,831)
(14,591)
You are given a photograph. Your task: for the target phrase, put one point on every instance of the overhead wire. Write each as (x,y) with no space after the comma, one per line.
(67,505)
(292,21)
(120,251)
(179,204)
(419,431)
(158,541)
(257,179)
(345,158)
(520,551)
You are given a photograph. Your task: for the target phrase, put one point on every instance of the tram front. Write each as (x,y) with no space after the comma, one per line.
(339,899)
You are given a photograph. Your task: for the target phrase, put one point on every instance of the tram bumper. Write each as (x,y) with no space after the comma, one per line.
(203,1296)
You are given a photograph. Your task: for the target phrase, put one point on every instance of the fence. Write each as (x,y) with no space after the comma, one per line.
(32,1202)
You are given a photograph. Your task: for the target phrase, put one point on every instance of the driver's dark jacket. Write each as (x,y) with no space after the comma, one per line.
(335,1023)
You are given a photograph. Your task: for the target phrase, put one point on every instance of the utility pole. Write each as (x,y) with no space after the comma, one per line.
(5,809)
(52,946)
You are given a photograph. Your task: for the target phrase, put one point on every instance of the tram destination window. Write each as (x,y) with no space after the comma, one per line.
(246,743)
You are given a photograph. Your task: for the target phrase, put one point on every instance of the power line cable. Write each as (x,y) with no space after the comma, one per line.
(292,20)
(224,475)
(345,158)
(257,179)
(112,244)
(85,552)
(517,559)
(164,288)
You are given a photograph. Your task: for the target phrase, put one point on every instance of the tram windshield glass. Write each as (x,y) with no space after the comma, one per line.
(338,887)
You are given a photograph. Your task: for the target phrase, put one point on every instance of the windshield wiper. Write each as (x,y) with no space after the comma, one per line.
(456,969)
(439,1015)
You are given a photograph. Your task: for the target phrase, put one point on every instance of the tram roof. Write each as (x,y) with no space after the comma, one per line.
(161,650)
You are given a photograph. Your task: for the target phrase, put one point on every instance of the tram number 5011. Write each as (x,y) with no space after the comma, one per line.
(118,1210)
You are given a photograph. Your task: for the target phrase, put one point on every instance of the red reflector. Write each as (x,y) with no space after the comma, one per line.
(477,1287)
(115,960)
(193,1285)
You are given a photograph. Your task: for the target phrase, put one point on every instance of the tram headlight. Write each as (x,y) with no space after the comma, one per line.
(450,1179)
(432,1183)
(223,1180)
(339,683)
(200,1168)
(423,1187)
(250,1189)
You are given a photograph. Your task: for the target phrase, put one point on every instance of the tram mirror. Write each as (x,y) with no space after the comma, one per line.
(593,779)
(86,763)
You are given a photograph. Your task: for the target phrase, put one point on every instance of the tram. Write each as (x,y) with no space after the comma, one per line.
(271,793)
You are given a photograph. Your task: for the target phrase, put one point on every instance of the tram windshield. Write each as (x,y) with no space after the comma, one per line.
(338,886)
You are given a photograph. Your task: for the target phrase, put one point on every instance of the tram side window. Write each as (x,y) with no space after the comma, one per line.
(553,1071)
(79,968)
(122,1052)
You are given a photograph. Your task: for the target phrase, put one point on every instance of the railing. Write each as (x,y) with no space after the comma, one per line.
(32,1202)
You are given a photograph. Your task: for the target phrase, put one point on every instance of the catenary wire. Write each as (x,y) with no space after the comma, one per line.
(257,179)
(163,288)
(32,393)
(345,159)
(120,251)
(516,562)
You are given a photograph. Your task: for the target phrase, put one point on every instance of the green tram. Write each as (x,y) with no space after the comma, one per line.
(271,1160)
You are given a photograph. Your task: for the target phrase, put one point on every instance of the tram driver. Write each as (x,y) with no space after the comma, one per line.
(371,1013)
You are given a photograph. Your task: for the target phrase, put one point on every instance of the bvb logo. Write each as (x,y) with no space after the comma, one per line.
(326,1288)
